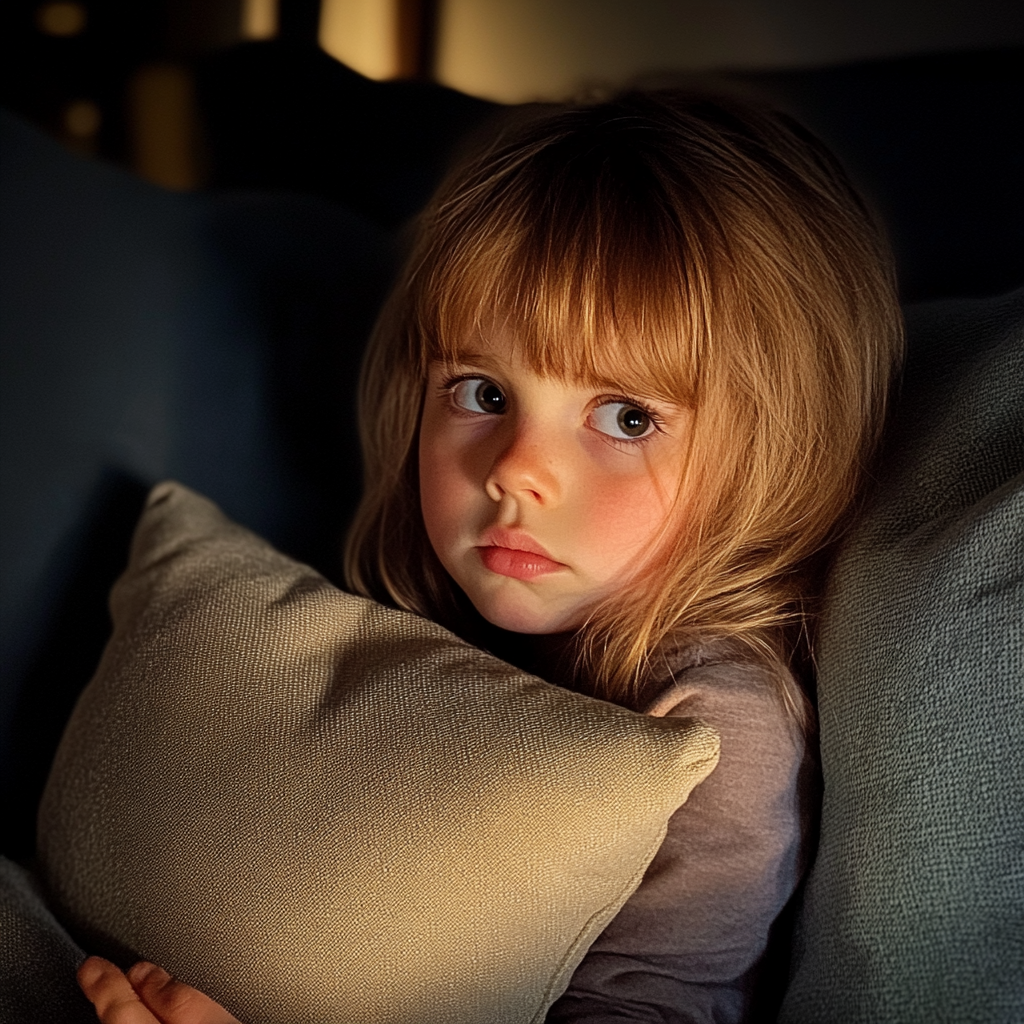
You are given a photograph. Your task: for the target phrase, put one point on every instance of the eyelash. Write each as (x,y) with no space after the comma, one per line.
(634,442)
(449,384)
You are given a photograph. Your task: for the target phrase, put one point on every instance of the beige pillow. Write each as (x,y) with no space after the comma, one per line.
(319,809)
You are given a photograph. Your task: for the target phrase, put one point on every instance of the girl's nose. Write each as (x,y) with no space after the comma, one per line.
(525,469)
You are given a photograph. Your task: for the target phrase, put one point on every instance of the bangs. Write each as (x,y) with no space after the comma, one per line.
(594,276)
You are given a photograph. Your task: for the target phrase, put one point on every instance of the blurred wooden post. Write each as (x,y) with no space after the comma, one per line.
(381,39)
(259,19)
(416,42)
(164,126)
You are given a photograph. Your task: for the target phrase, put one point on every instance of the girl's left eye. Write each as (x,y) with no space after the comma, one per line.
(622,421)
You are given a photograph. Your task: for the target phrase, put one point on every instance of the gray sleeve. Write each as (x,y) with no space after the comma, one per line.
(685,947)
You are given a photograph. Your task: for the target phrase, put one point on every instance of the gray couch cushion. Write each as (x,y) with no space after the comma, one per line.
(38,959)
(914,910)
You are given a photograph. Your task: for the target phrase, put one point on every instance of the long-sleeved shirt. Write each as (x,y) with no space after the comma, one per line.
(687,945)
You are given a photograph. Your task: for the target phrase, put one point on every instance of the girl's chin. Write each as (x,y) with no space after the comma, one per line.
(516,617)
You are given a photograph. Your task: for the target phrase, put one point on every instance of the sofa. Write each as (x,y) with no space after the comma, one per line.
(215,338)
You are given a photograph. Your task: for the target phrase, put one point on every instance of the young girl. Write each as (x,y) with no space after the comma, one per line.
(616,411)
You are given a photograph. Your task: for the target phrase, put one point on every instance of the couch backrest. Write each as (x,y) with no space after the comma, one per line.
(914,910)
(146,335)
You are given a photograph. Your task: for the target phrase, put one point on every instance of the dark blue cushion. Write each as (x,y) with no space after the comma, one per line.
(145,335)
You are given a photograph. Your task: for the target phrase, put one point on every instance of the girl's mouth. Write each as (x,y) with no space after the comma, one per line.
(520,565)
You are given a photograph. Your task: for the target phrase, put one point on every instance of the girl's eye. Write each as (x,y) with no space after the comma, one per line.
(622,420)
(478,395)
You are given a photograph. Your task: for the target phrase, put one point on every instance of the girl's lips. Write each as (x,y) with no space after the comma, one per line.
(519,564)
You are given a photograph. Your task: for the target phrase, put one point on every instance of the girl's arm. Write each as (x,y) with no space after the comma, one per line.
(686,948)
(146,995)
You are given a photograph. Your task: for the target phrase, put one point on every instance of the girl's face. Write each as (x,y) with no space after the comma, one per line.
(541,496)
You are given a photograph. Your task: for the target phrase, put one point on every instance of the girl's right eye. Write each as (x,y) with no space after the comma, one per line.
(474,394)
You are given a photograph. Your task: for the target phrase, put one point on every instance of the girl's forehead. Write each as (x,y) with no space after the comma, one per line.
(607,362)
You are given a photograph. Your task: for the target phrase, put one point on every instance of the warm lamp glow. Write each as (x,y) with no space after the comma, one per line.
(362,34)
(520,50)
(61,19)
(162,120)
(82,119)
(259,19)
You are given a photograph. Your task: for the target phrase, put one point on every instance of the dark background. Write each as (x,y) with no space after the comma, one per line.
(170,89)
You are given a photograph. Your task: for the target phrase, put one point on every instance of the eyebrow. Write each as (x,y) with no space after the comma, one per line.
(466,356)
(471,358)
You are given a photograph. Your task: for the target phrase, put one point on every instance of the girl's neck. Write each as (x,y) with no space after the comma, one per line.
(549,656)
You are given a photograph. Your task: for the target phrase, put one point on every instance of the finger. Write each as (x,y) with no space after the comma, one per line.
(112,994)
(173,1001)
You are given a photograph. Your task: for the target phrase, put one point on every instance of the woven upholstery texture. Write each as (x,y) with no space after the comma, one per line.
(914,910)
(318,809)
(38,959)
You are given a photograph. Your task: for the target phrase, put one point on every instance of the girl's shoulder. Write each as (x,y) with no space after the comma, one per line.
(687,943)
(723,683)
(767,782)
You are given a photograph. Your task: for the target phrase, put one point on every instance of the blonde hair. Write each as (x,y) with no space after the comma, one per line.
(695,249)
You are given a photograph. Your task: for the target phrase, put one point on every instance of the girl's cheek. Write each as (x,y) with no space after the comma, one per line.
(622,512)
(456,452)
(433,474)
(448,483)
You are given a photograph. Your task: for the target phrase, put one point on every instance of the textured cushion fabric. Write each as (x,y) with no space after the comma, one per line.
(319,809)
(38,958)
(914,910)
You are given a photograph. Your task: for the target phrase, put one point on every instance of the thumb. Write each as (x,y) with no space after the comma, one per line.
(111,993)
(172,1001)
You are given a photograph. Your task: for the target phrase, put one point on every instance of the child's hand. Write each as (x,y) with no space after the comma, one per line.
(146,995)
